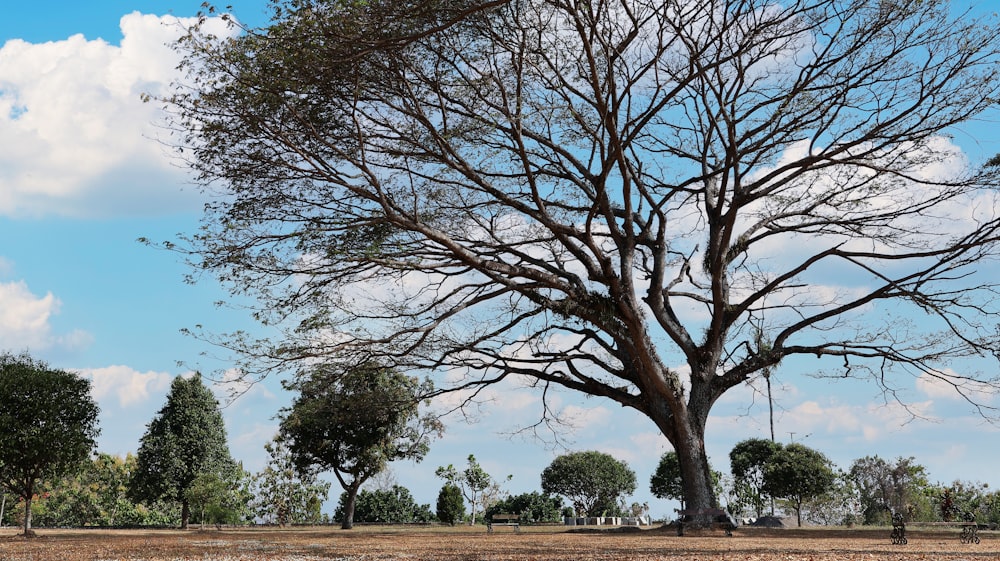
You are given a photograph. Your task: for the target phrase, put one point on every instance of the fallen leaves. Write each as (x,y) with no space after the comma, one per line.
(426,543)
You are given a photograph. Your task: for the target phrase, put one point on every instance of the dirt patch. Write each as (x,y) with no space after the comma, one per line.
(409,543)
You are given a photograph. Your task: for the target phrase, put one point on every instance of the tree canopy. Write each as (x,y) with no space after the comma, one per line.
(748,462)
(640,200)
(593,481)
(798,473)
(666,482)
(186,439)
(886,488)
(450,504)
(354,420)
(49,422)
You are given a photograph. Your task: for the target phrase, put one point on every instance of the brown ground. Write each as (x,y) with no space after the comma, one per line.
(474,544)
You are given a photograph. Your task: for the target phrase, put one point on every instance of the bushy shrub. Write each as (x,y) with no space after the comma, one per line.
(533,507)
(450,504)
(390,506)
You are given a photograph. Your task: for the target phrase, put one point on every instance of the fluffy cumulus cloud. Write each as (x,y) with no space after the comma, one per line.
(25,321)
(75,135)
(126,386)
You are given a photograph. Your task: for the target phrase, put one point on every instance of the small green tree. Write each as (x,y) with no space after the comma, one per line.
(747,462)
(354,420)
(283,493)
(798,473)
(221,499)
(49,422)
(450,504)
(186,439)
(206,493)
(666,483)
(477,486)
(593,481)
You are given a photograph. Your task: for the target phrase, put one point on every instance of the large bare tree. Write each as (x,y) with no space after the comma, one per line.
(651,201)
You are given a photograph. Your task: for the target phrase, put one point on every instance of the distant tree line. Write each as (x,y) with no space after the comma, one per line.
(770,478)
(353,421)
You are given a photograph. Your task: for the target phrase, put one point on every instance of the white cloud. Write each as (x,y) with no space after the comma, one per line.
(75,136)
(129,386)
(950,385)
(234,385)
(25,321)
(586,418)
(871,422)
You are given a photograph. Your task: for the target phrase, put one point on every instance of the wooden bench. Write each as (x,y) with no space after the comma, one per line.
(504,519)
(705,518)
(969,533)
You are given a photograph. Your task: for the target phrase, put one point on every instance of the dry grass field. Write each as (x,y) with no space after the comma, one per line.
(474,544)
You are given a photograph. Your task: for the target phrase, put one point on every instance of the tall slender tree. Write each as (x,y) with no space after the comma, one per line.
(622,198)
(185,439)
(476,485)
(49,426)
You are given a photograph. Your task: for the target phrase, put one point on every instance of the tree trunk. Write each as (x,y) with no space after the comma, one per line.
(695,473)
(27,516)
(685,429)
(770,402)
(185,514)
(352,498)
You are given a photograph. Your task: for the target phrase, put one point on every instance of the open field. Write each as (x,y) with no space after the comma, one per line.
(474,544)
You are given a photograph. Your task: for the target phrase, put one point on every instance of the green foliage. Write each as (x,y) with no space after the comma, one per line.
(989,512)
(390,506)
(593,481)
(798,473)
(284,494)
(220,499)
(837,506)
(747,462)
(186,439)
(94,496)
(961,499)
(353,421)
(49,425)
(532,507)
(477,486)
(885,488)
(666,482)
(450,504)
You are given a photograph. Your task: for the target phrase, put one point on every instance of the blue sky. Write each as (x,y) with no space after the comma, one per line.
(82,178)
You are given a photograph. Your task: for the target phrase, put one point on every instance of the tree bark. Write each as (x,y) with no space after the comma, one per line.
(352,498)
(27,516)
(684,426)
(185,514)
